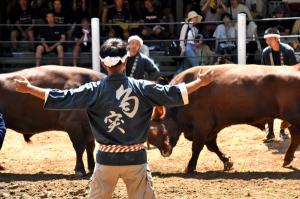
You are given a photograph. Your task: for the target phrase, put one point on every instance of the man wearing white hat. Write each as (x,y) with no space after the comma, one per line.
(137,63)
(276,54)
(187,37)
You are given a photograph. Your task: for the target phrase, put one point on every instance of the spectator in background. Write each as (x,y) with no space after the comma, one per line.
(168,17)
(137,9)
(203,51)
(252,42)
(293,7)
(10,9)
(191,5)
(296,28)
(294,43)
(276,54)
(121,16)
(213,10)
(104,7)
(79,10)
(24,21)
(236,8)
(257,8)
(61,17)
(225,36)
(139,65)
(52,37)
(188,33)
(82,38)
(40,7)
(151,15)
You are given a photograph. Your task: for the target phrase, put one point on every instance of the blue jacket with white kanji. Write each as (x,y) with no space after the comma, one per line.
(119,109)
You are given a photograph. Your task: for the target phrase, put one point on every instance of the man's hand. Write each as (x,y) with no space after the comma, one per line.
(202,79)
(206,78)
(22,84)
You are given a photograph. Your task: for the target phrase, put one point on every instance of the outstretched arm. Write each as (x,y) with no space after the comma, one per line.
(73,98)
(24,86)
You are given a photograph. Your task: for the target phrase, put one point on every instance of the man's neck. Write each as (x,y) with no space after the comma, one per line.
(116,70)
(276,47)
(132,54)
(110,73)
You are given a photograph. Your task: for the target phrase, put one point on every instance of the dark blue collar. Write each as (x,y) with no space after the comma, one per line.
(117,76)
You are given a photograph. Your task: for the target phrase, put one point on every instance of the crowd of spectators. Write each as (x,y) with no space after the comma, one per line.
(70,30)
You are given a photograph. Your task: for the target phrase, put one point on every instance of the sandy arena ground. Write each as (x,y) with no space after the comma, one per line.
(44,169)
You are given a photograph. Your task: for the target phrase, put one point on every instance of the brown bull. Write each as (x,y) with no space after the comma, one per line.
(25,113)
(240,94)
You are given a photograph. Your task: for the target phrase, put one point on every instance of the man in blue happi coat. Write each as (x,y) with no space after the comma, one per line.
(119,109)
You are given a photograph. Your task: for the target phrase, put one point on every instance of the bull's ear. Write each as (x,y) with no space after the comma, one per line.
(158,113)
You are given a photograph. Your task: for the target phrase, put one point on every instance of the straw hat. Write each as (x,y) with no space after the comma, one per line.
(193,14)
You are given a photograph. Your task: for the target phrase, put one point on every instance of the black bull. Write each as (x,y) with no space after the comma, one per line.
(25,114)
(250,94)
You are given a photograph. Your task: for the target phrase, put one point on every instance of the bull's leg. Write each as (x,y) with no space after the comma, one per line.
(196,149)
(90,146)
(74,123)
(79,146)
(197,146)
(295,141)
(213,147)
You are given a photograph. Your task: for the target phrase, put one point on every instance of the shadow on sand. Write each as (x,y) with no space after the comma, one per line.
(13,177)
(279,146)
(250,175)
(209,175)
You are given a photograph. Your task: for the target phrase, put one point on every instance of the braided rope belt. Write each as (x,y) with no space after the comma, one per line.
(121,148)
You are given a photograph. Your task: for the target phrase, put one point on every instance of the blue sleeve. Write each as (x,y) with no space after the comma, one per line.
(2,130)
(164,95)
(291,58)
(78,98)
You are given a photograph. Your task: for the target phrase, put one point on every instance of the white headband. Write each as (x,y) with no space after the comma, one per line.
(272,35)
(112,61)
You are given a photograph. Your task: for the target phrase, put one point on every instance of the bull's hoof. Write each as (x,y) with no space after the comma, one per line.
(1,168)
(228,165)
(80,173)
(286,163)
(189,170)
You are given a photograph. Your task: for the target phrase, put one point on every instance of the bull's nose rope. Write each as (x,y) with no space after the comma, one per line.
(121,148)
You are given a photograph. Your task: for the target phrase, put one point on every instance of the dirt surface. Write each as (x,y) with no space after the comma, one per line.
(44,169)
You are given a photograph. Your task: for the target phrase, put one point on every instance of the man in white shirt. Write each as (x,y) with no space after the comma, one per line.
(236,8)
